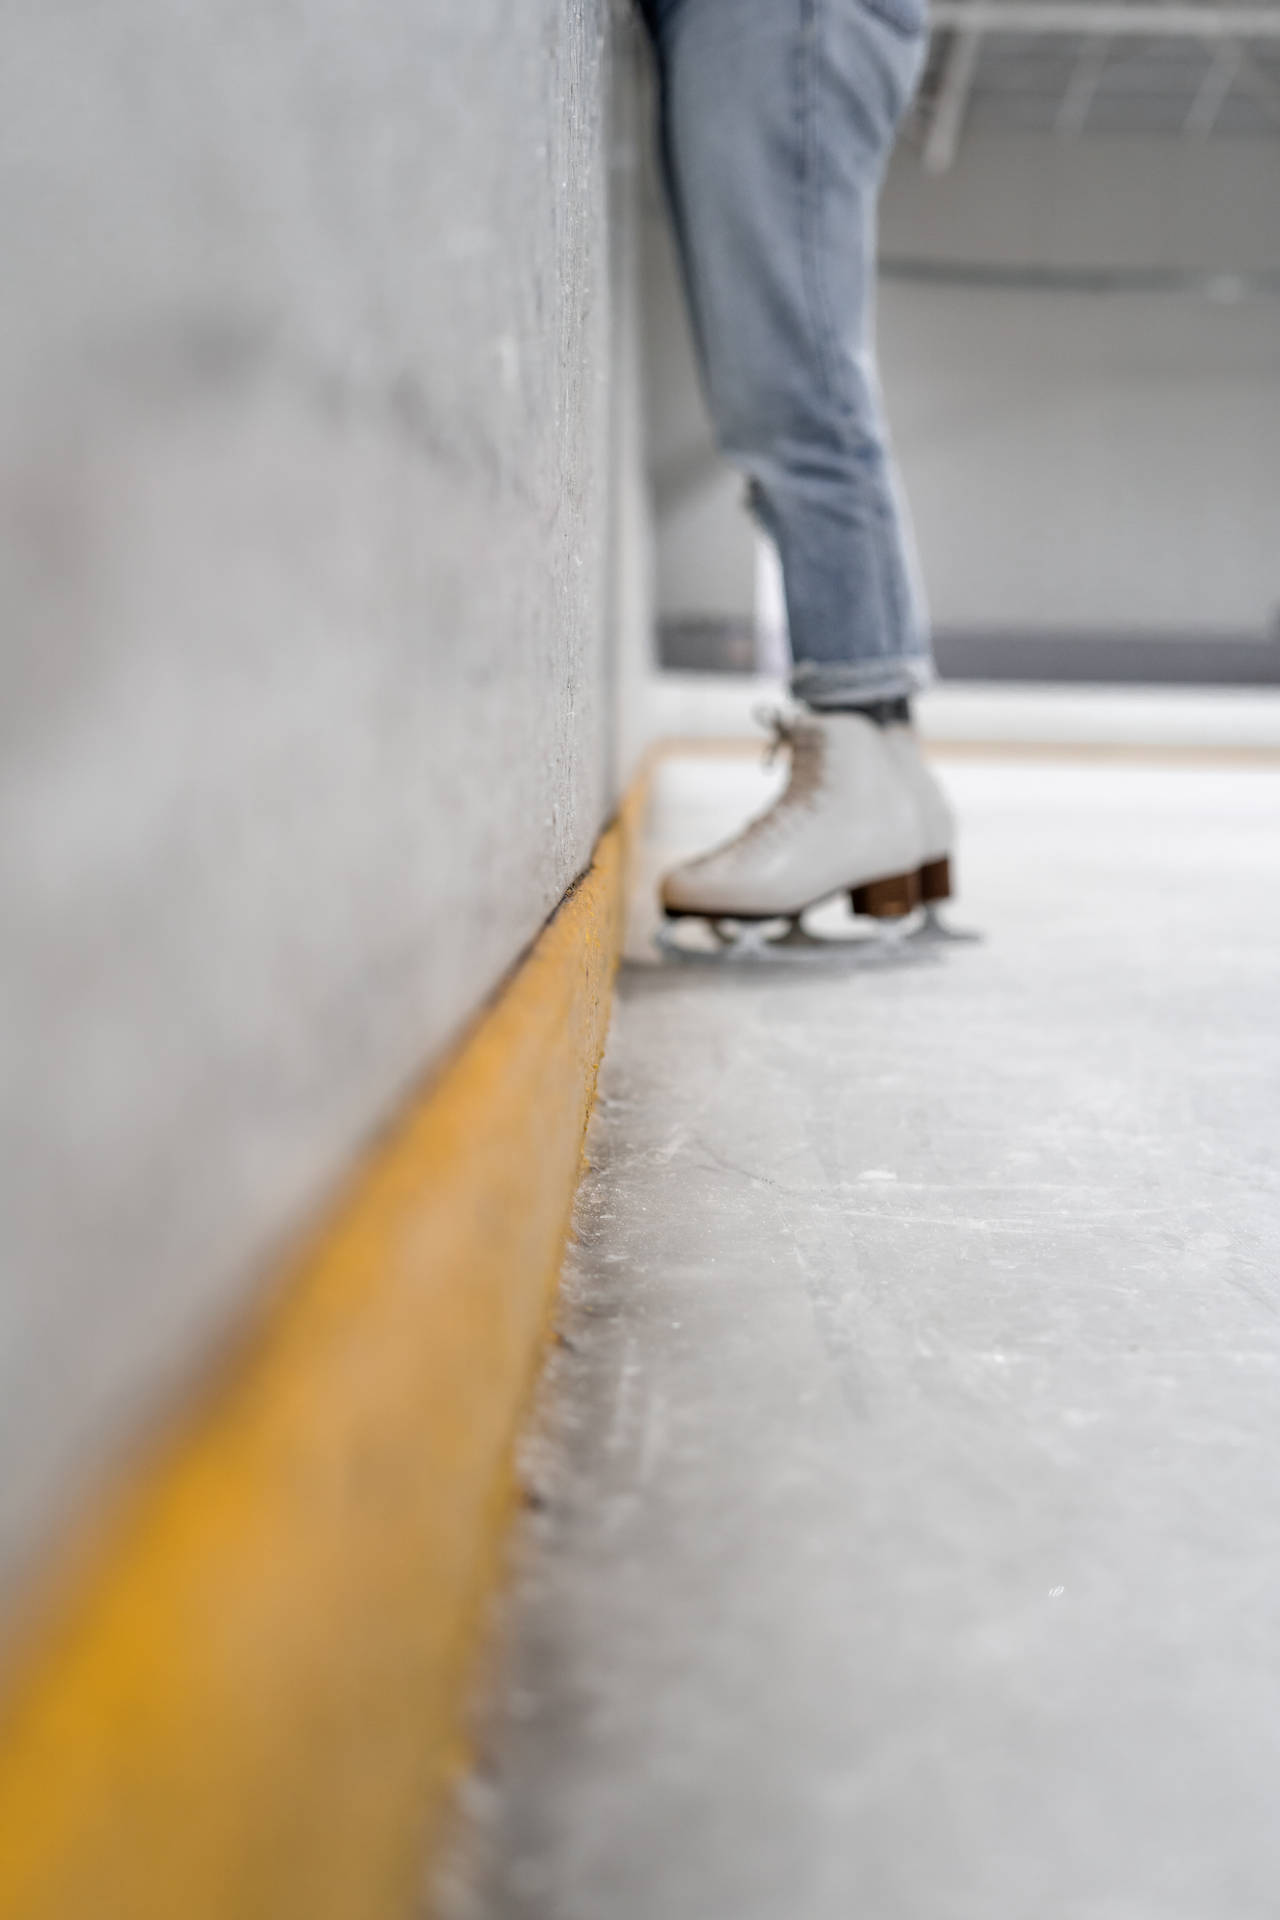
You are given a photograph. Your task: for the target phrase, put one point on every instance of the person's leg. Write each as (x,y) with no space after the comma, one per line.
(777,120)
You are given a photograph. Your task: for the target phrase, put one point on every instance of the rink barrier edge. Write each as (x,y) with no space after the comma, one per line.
(239,1688)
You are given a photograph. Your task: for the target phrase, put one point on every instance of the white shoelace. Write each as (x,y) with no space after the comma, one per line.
(805,743)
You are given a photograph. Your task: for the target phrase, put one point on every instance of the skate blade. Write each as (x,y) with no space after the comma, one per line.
(772,943)
(931,930)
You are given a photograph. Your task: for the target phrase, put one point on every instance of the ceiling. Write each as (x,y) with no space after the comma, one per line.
(1077,84)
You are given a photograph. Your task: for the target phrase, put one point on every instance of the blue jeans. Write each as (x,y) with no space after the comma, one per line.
(778,117)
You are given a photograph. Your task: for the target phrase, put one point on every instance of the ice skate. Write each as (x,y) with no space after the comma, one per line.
(937,834)
(847,823)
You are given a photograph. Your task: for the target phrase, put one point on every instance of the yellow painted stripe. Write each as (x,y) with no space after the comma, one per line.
(247,1700)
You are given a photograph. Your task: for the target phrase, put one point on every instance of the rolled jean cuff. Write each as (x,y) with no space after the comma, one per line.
(844,684)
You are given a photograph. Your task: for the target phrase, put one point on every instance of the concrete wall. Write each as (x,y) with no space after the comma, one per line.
(1073,461)
(630,656)
(704,542)
(306,523)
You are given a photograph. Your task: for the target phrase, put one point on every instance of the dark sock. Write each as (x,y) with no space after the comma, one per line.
(885,713)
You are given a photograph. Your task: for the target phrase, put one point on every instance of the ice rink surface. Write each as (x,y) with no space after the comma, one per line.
(906,1537)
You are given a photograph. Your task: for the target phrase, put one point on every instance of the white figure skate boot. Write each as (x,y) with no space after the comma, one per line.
(937,831)
(933,809)
(847,822)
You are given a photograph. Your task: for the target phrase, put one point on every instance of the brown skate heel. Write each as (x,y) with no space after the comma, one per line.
(935,881)
(887,899)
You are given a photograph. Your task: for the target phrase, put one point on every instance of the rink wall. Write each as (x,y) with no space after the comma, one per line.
(1122,530)
(244,1688)
(321,573)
